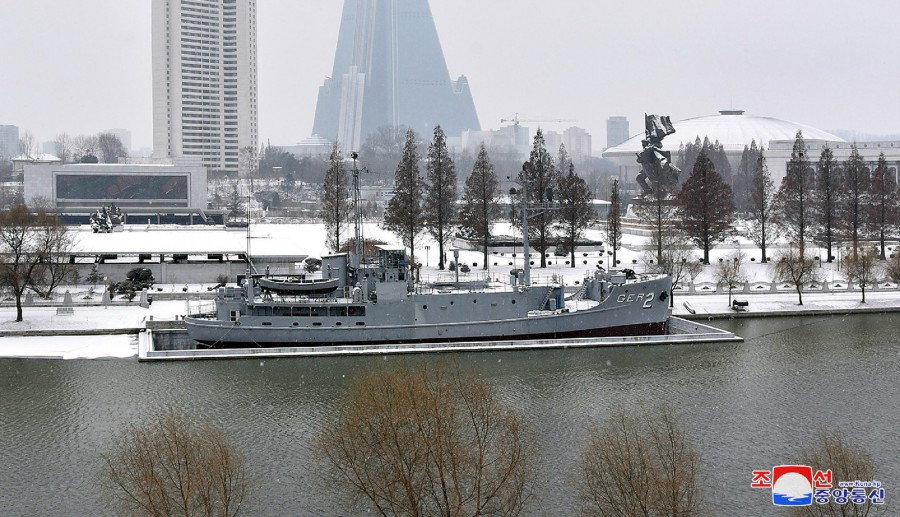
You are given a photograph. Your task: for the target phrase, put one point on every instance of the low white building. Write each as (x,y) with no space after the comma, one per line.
(158,189)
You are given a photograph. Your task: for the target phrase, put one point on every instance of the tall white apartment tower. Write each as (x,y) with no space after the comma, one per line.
(204,80)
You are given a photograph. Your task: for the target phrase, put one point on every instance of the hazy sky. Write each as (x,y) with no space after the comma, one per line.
(82,66)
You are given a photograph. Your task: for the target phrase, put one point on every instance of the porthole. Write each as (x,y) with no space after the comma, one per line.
(513,302)
(474,301)
(424,307)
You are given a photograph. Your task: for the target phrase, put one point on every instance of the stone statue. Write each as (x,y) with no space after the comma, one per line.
(656,164)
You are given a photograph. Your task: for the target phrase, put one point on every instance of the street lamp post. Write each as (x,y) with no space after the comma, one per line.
(427,249)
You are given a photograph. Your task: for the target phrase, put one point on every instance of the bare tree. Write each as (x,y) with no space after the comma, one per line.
(793,203)
(86,149)
(110,148)
(864,268)
(440,192)
(403,216)
(847,462)
(248,163)
(28,145)
(892,267)
(795,267)
(827,196)
(614,220)
(335,201)
(885,208)
(64,147)
(678,260)
(640,464)
(480,207)
(29,242)
(705,206)
(171,466)
(428,441)
(855,199)
(576,211)
(730,273)
(762,199)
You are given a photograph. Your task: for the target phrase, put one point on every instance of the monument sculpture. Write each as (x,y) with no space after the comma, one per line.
(656,164)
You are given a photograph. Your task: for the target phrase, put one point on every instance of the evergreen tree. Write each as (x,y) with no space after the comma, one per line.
(440,192)
(762,199)
(687,155)
(480,206)
(614,221)
(403,215)
(793,202)
(743,180)
(705,206)
(856,190)
(716,154)
(563,160)
(885,210)
(826,197)
(539,176)
(335,200)
(235,202)
(576,208)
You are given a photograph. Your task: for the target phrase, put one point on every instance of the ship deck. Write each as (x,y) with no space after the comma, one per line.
(153,344)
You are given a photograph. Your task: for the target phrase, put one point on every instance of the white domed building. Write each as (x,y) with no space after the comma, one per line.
(734,130)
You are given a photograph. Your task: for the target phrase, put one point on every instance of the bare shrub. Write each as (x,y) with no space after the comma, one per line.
(864,268)
(428,441)
(797,268)
(171,466)
(640,464)
(848,462)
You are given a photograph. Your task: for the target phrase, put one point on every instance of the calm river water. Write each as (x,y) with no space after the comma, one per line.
(749,406)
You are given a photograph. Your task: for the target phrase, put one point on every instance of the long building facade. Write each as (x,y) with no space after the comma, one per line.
(204,80)
(389,70)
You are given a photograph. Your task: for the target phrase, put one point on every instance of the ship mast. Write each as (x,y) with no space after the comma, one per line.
(357,215)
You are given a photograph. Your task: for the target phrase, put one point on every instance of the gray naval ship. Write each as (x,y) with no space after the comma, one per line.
(380,303)
(363,301)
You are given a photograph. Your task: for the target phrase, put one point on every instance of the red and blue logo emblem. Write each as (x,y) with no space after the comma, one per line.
(792,485)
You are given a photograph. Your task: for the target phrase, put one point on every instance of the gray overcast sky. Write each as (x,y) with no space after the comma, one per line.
(82,66)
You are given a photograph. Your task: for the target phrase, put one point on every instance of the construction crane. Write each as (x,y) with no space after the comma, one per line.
(515,120)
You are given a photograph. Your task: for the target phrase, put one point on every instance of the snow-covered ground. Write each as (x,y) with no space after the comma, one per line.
(308,239)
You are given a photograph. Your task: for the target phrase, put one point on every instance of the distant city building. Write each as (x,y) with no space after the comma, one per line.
(124,137)
(389,69)
(552,141)
(616,131)
(313,146)
(578,143)
(204,80)
(9,142)
(778,154)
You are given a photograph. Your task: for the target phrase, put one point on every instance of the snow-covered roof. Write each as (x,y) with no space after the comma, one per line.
(732,128)
(39,157)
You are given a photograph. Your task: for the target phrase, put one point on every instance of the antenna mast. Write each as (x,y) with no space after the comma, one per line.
(357,214)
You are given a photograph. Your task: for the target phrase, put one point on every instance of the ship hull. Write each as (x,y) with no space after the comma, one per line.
(627,310)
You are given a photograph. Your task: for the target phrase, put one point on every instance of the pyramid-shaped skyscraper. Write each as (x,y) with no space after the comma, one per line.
(389,69)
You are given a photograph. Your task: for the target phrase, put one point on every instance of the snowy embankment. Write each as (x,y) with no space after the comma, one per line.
(275,239)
